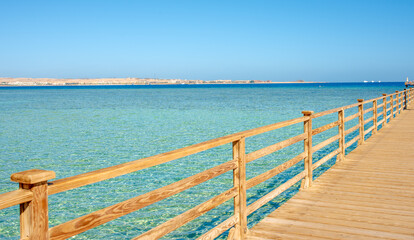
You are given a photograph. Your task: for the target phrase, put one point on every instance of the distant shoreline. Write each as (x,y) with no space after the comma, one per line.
(31,82)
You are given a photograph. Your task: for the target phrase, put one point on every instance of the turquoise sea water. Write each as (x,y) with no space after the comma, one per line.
(72,130)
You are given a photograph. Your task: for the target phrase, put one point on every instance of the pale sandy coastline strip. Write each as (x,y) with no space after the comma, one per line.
(18,82)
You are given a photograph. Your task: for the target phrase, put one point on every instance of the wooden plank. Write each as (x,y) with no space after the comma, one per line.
(91,220)
(368,120)
(325,143)
(189,215)
(352,117)
(39,215)
(361,122)
(326,158)
(341,133)
(327,112)
(239,154)
(329,218)
(307,146)
(330,111)
(275,147)
(354,128)
(26,226)
(348,144)
(15,197)
(268,197)
(269,228)
(219,229)
(325,127)
(392,106)
(133,166)
(384,109)
(368,130)
(349,195)
(363,232)
(350,211)
(389,116)
(368,110)
(275,171)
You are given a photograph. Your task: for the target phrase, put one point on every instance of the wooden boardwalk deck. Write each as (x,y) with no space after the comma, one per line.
(370,195)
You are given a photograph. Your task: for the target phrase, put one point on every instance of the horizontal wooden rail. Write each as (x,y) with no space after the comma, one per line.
(270,196)
(219,229)
(368,120)
(273,172)
(320,114)
(189,215)
(91,220)
(325,127)
(275,147)
(348,144)
(325,143)
(327,112)
(368,110)
(351,117)
(368,130)
(324,159)
(389,116)
(133,166)
(15,197)
(352,129)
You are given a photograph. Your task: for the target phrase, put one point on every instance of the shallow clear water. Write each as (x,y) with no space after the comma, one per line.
(72,130)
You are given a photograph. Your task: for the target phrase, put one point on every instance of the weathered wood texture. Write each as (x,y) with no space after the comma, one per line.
(307,127)
(15,197)
(94,219)
(68,183)
(368,195)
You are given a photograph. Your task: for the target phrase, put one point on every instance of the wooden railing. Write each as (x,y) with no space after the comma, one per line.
(32,196)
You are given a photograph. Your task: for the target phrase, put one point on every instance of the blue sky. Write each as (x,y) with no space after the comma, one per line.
(266,40)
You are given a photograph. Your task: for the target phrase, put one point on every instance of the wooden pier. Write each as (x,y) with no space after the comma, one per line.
(368,194)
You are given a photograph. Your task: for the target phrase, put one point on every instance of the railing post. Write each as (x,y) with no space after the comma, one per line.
(239,181)
(384,108)
(307,128)
(405,98)
(361,121)
(375,117)
(392,106)
(341,130)
(397,110)
(34,220)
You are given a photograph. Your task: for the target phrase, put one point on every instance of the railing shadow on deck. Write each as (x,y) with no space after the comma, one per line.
(34,188)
